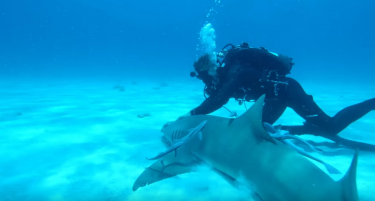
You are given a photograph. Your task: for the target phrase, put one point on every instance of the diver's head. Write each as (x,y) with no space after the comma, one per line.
(205,68)
(204,63)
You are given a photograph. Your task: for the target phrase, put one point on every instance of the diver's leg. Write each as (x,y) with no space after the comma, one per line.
(303,129)
(317,122)
(273,109)
(334,125)
(352,113)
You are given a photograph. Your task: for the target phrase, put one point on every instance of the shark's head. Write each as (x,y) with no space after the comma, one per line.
(171,131)
(180,128)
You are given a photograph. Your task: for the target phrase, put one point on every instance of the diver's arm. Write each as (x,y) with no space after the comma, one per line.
(222,96)
(209,105)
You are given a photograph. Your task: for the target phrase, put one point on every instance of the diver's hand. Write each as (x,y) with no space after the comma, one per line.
(180,117)
(183,116)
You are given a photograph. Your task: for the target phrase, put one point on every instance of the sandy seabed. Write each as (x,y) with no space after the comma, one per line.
(85,141)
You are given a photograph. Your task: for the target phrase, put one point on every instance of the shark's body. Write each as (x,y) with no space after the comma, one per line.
(242,149)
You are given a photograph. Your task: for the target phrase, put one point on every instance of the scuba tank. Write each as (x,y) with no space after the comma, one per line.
(258,58)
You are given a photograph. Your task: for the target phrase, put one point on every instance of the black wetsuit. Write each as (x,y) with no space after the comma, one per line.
(238,81)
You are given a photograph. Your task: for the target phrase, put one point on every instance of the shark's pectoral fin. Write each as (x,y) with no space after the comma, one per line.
(174,148)
(349,181)
(167,167)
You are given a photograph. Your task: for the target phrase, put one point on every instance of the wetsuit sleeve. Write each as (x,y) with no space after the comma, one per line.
(222,96)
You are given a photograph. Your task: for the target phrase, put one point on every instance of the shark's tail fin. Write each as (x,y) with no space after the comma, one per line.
(349,181)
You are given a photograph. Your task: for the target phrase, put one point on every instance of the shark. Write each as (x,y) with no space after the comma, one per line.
(241,150)
(179,142)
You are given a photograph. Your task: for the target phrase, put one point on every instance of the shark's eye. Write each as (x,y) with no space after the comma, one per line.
(165,125)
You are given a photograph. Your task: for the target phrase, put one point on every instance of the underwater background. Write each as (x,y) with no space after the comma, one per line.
(86,86)
(332,40)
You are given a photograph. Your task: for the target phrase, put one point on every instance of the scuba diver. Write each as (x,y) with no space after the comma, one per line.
(245,73)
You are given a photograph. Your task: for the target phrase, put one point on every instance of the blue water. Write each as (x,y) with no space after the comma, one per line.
(68,135)
(86,39)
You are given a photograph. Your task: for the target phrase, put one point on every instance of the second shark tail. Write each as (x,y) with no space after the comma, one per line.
(349,181)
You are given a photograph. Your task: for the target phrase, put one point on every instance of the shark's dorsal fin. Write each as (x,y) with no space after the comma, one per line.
(349,181)
(253,117)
